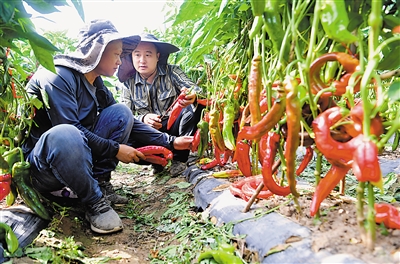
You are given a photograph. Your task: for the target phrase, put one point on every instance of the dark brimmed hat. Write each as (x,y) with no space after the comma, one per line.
(126,69)
(93,39)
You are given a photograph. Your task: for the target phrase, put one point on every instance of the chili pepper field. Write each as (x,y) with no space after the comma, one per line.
(299,136)
(272,227)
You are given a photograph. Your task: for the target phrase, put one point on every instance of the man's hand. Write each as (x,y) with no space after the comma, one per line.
(127,154)
(152,120)
(189,99)
(182,143)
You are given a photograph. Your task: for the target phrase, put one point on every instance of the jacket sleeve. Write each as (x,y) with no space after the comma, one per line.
(63,91)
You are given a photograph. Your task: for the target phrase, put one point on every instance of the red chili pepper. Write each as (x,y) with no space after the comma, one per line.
(350,65)
(157,160)
(326,185)
(227,155)
(357,116)
(293,117)
(267,122)
(306,160)
(156,150)
(366,165)
(242,157)
(250,186)
(245,188)
(176,110)
(5,182)
(215,162)
(196,140)
(388,215)
(205,102)
(333,150)
(262,147)
(272,143)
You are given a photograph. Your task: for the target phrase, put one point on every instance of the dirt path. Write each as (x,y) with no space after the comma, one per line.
(336,231)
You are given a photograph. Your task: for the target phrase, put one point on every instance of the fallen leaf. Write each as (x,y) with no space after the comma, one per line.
(293,239)
(277,249)
(222,187)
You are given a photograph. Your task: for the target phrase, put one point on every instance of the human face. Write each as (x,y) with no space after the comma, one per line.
(145,58)
(111,59)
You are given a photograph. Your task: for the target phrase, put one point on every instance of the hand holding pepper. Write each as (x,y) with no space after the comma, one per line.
(127,154)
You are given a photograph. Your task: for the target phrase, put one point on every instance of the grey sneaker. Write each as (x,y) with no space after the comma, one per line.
(177,167)
(109,193)
(102,218)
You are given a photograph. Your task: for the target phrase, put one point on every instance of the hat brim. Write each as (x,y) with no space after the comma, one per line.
(162,47)
(86,58)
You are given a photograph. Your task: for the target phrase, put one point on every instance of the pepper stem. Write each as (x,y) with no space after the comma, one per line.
(360,210)
(371,233)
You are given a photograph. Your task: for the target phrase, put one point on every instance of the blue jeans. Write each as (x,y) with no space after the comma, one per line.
(62,156)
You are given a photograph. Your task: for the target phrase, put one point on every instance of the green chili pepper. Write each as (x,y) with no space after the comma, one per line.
(334,20)
(12,156)
(12,195)
(273,24)
(203,126)
(396,140)
(7,234)
(227,127)
(3,164)
(21,178)
(223,255)
(256,26)
(257,7)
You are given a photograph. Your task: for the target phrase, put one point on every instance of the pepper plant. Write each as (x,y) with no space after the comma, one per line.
(18,36)
(319,74)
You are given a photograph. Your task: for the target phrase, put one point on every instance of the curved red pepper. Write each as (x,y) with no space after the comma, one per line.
(388,215)
(156,150)
(215,162)
(245,188)
(326,185)
(350,65)
(306,160)
(156,160)
(242,157)
(176,110)
(250,186)
(330,148)
(267,122)
(272,143)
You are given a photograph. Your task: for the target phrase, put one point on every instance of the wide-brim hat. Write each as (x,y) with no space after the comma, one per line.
(126,69)
(93,39)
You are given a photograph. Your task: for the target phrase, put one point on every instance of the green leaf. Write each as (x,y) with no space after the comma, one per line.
(183,185)
(394,91)
(36,103)
(41,41)
(191,10)
(44,57)
(46,7)
(79,8)
(7,10)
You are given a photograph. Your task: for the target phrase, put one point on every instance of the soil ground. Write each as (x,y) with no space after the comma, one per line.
(336,231)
